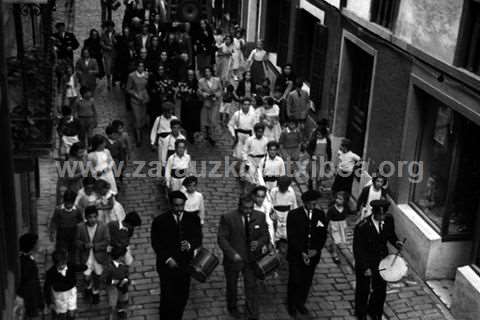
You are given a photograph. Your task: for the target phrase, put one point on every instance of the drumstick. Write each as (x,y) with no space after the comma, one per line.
(398,252)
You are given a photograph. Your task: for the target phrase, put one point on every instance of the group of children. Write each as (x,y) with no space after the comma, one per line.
(92,235)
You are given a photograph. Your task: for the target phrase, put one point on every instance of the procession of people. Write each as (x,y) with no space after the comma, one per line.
(186,84)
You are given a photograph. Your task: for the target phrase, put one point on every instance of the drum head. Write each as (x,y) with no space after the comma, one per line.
(393,268)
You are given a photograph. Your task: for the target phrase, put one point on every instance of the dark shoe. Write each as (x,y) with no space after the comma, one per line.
(95,298)
(336,260)
(234,313)
(122,314)
(303,310)
(87,294)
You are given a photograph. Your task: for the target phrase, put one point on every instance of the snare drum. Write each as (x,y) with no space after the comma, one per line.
(266,265)
(393,268)
(203,264)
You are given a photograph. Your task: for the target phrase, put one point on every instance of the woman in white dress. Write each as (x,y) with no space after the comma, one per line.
(101,161)
(225,60)
(238,58)
(269,114)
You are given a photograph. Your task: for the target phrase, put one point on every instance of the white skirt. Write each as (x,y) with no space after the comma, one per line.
(65,301)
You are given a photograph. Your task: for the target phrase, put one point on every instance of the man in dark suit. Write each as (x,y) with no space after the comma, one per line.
(369,248)
(65,42)
(306,234)
(142,41)
(174,237)
(242,236)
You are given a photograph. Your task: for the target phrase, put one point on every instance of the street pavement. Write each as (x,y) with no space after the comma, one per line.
(332,292)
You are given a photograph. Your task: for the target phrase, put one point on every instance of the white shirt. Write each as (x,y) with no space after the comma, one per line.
(174,162)
(255,147)
(84,200)
(270,167)
(257,55)
(377,224)
(195,202)
(171,141)
(266,208)
(347,161)
(241,120)
(144,41)
(161,125)
(284,198)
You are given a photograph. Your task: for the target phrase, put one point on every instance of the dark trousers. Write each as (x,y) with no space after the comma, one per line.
(300,277)
(370,294)
(251,292)
(106,10)
(174,292)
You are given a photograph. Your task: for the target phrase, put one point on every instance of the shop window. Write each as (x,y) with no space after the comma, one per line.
(448,192)
(384,12)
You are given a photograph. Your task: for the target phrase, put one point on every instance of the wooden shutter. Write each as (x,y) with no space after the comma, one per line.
(300,54)
(283,31)
(319,57)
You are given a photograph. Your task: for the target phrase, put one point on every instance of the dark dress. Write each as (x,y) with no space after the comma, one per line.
(95,49)
(205,49)
(191,107)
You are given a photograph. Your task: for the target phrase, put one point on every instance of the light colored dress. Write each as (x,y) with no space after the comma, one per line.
(269,117)
(238,58)
(137,89)
(103,161)
(225,61)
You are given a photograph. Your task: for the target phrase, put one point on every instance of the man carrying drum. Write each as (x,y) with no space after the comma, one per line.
(369,248)
(242,236)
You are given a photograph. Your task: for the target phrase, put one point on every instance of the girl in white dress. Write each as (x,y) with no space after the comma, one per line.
(225,60)
(238,58)
(101,161)
(269,114)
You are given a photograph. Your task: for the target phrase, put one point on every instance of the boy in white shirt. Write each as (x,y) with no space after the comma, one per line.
(195,203)
(271,167)
(254,150)
(161,130)
(241,126)
(176,134)
(178,165)
(347,161)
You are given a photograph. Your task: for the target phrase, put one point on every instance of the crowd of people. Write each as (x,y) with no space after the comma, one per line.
(184,83)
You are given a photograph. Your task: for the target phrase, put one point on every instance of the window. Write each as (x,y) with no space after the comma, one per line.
(472,38)
(448,193)
(384,12)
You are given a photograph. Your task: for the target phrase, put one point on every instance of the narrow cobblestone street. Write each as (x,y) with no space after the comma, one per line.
(333,290)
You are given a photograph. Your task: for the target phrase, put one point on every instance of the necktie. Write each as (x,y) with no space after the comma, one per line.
(247,229)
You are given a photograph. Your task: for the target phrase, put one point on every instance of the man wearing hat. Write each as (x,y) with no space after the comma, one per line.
(66,43)
(369,248)
(306,233)
(242,235)
(175,236)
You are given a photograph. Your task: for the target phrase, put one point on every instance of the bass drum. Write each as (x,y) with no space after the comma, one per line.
(393,268)
(203,264)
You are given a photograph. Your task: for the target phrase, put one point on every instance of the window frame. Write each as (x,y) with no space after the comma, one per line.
(464,37)
(393,16)
(443,228)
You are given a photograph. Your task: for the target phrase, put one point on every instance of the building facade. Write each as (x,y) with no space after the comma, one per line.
(402,82)
(27,91)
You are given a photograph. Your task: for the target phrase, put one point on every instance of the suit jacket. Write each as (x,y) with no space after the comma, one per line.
(232,238)
(63,42)
(87,72)
(369,246)
(166,238)
(207,92)
(100,241)
(298,229)
(298,105)
(139,44)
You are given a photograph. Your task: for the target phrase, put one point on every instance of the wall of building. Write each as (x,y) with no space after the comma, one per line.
(361,8)
(466,295)
(431,26)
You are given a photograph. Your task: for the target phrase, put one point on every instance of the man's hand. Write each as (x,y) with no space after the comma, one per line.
(253,245)
(306,258)
(237,258)
(172,263)
(88,246)
(109,249)
(123,282)
(312,253)
(185,245)
(399,244)
(368,273)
